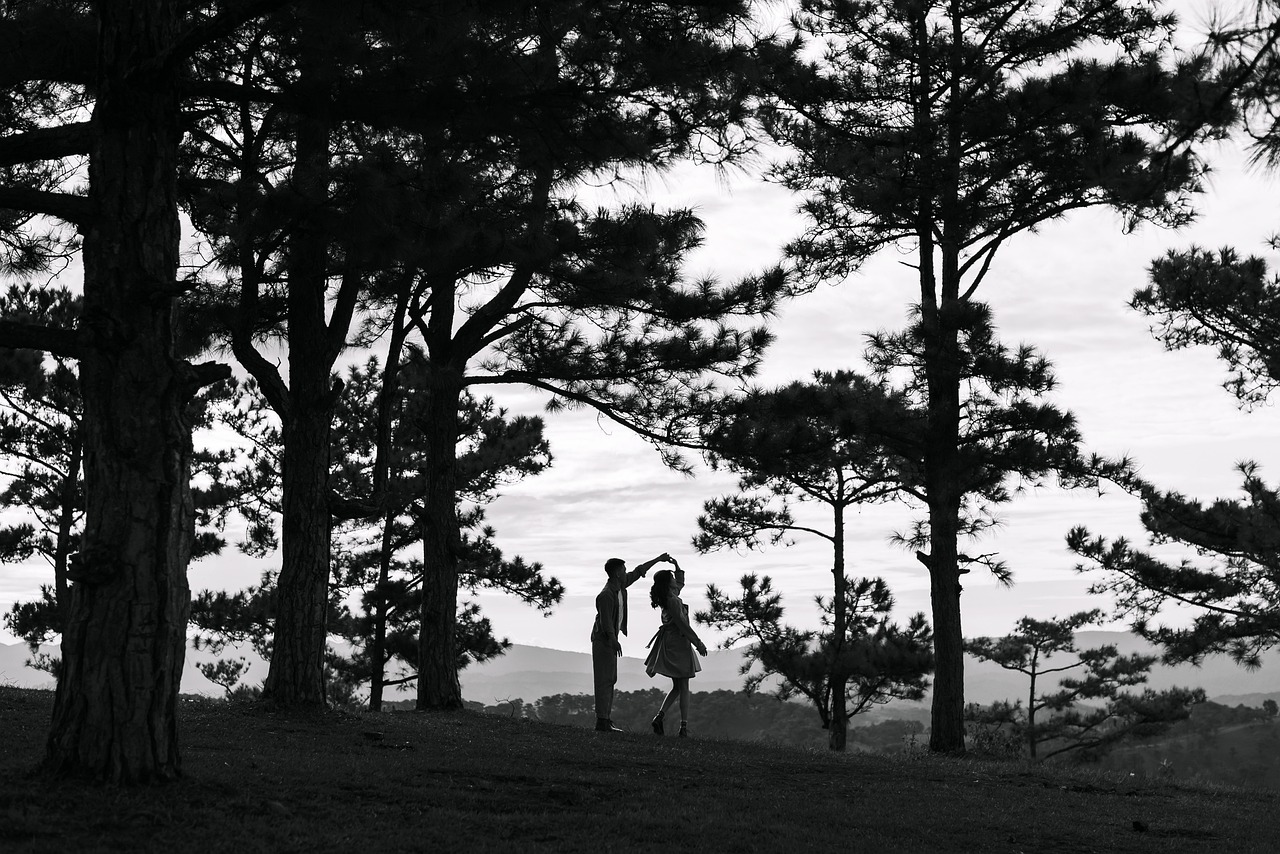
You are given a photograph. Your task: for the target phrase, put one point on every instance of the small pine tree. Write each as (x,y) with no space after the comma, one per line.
(1074,721)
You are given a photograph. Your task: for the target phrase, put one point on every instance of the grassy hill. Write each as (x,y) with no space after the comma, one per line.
(1217,744)
(263,781)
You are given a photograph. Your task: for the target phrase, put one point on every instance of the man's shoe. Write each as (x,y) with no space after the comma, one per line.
(657,724)
(606,725)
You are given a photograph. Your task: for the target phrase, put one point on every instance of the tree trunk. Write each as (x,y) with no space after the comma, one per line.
(839,727)
(838,735)
(1031,712)
(123,644)
(947,713)
(940,309)
(438,687)
(296,676)
(377,653)
(943,491)
(943,494)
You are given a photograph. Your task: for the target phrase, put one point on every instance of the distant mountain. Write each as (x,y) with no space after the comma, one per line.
(14,672)
(1253,701)
(13,669)
(1219,675)
(531,672)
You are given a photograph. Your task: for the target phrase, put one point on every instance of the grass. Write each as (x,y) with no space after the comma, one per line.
(262,781)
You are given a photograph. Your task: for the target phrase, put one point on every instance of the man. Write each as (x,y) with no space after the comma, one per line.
(611,622)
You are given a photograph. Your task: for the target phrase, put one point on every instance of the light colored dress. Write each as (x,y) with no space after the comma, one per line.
(671,652)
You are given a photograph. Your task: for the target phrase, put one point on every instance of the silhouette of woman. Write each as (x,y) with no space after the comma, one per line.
(671,652)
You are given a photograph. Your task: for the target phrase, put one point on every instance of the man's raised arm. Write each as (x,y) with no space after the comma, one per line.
(638,573)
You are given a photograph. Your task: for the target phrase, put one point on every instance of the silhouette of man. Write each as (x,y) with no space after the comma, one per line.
(611,622)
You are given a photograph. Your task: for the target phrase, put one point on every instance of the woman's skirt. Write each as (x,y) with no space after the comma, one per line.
(671,654)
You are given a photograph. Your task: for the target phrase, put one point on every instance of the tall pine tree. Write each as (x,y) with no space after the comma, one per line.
(949,128)
(114,715)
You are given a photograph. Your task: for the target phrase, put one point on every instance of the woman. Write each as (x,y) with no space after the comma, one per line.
(673,645)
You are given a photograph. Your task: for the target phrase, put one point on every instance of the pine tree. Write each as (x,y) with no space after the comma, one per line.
(114,715)
(1232,303)
(788,445)
(42,449)
(872,662)
(374,588)
(1233,603)
(1075,721)
(437,162)
(524,284)
(950,128)
(494,449)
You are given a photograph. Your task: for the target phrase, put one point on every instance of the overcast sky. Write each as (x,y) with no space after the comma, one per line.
(1063,290)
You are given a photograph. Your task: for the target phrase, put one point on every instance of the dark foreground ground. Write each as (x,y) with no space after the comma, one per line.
(257,781)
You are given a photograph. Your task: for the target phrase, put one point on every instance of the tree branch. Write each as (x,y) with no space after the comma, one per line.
(49,339)
(77,210)
(45,143)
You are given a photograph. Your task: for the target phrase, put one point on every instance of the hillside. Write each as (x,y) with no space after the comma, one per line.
(256,780)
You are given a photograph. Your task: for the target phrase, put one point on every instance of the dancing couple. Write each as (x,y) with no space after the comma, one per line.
(671,650)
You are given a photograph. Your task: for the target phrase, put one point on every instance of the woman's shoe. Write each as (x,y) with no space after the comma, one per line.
(657,724)
(684,732)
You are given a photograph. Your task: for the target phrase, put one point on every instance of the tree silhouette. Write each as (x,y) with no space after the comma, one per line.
(1099,673)
(494,449)
(950,128)
(123,61)
(788,445)
(447,214)
(42,449)
(374,587)
(1231,303)
(1234,602)
(873,662)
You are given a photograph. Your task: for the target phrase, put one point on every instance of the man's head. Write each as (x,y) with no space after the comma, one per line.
(615,567)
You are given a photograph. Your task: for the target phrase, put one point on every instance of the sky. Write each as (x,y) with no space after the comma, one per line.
(1063,290)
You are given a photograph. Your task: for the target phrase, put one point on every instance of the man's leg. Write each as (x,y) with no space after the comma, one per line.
(604,668)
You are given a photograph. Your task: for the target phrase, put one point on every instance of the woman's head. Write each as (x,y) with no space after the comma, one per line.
(664,583)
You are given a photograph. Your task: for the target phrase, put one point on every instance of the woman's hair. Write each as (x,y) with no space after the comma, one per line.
(661,589)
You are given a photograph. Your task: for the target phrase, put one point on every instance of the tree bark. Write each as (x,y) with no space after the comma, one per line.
(377,654)
(940,305)
(438,686)
(839,726)
(122,649)
(1031,711)
(942,484)
(296,674)
(946,733)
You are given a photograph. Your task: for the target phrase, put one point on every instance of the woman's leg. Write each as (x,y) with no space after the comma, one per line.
(672,695)
(684,699)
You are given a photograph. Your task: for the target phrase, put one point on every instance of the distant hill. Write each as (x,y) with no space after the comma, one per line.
(531,672)
(15,673)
